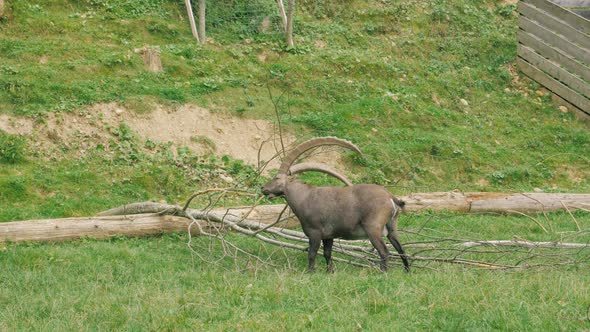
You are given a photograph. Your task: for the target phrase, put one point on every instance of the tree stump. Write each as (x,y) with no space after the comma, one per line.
(151,57)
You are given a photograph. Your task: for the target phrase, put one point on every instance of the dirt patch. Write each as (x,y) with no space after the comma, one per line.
(193,127)
(15,126)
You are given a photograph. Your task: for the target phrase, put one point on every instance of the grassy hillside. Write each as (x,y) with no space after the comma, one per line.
(427,89)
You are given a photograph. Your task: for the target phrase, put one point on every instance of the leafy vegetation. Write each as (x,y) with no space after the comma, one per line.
(12,148)
(427,89)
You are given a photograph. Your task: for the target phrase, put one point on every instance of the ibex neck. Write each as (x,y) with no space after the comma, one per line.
(296,191)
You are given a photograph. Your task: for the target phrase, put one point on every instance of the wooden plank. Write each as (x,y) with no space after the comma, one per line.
(555,40)
(554,54)
(554,70)
(572,3)
(561,28)
(555,86)
(563,14)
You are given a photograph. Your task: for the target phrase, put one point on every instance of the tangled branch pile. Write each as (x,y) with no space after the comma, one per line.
(427,247)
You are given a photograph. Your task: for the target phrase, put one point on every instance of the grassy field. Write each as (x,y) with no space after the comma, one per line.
(427,89)
(156,284)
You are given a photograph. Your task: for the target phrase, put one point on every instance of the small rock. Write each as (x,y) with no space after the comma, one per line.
(392,95)
(374,130)
(563,109)
(507,90)
(119,111)
(463,102)
(226,179)
(538,190)
(435,99)
(320,44)
(540,93)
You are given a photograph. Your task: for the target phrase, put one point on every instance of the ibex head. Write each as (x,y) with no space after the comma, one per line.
(277,186)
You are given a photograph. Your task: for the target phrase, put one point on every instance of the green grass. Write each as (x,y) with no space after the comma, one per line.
(388,75)
(155,284)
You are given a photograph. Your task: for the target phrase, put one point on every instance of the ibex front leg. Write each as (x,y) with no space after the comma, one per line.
(314,246)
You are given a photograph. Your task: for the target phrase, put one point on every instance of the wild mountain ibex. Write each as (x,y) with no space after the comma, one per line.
(326,213)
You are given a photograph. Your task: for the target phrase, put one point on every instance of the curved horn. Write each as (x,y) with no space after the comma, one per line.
(318,167)
(310,144)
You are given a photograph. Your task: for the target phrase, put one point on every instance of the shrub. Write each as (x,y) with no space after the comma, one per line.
(12,148)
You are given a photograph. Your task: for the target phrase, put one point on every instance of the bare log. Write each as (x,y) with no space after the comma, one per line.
(478,202)
(438,201)
(172,218)
(93,227)
(261,214)
(526,202)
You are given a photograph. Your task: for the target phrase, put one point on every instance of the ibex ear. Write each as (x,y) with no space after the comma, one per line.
(318,167)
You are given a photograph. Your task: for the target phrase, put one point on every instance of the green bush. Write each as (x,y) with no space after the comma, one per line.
(12,148)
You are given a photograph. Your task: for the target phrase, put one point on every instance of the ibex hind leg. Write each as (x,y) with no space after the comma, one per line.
(377,242)
(392,236)
(328,254)
(400,250)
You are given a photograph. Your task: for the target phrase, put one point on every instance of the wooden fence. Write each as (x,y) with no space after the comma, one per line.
(554,49)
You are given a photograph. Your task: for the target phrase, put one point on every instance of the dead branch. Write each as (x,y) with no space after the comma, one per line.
(266,223)
(526,244)
(359,253)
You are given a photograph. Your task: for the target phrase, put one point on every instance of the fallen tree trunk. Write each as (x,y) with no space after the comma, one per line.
(476,202)
(136,219)
(111,222)
(93,227)
(175,218)
(479,202)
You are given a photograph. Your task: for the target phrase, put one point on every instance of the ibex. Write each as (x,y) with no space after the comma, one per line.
(326,213)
